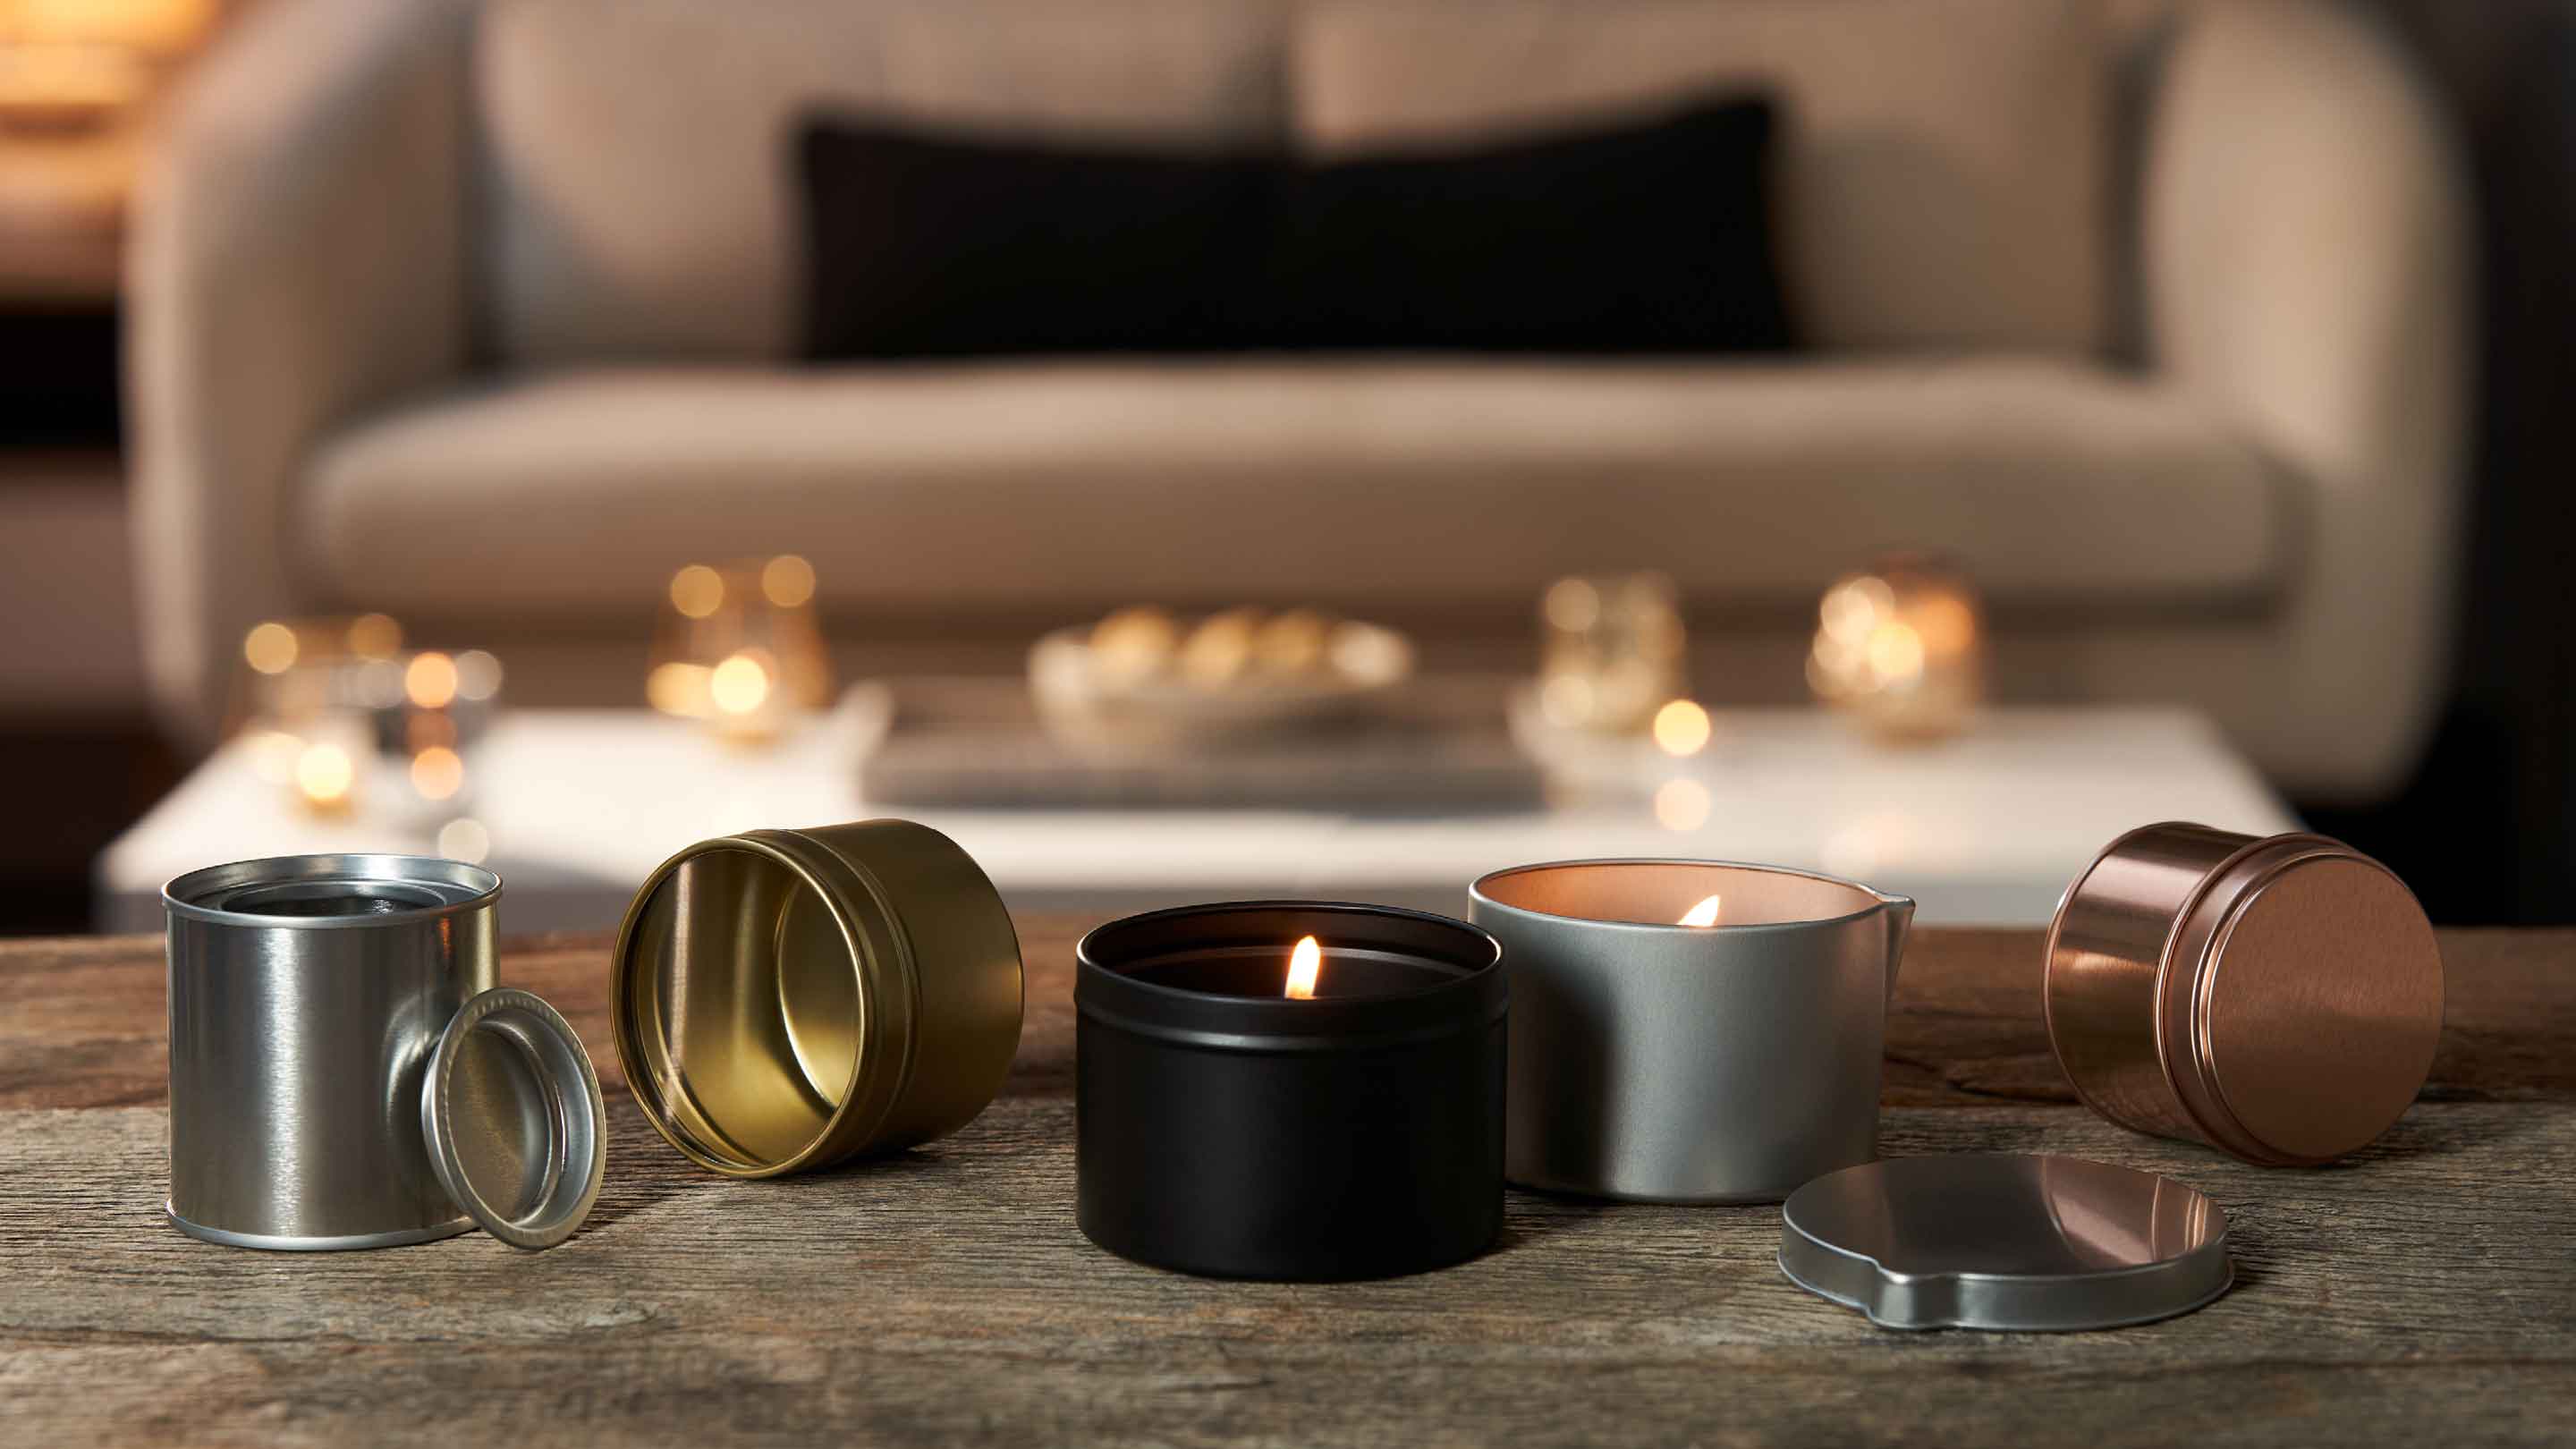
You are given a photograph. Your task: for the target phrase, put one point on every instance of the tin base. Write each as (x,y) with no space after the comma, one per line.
(1593,1192)
(401,1238)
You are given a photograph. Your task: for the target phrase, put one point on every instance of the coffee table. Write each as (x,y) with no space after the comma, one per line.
(578,806)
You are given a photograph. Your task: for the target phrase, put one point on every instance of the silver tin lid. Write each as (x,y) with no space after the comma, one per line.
(512,1113)
(2000,1241)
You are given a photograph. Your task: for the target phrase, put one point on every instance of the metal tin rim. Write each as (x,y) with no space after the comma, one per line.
(401,1237)
(2183,1041)
(866,1067)
(1879,899)
(578,1120)
(1857,1280)
(1262,1024)
(183,893)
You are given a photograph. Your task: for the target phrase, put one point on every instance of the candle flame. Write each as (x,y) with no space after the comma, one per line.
(1703,914)
(1305,964)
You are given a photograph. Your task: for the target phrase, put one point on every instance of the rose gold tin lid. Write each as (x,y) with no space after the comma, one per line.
(2295,1004)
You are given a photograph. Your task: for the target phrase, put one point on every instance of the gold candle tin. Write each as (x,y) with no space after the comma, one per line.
(2276,998)
(785,1000)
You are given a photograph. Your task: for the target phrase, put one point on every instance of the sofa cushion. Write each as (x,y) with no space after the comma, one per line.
(1424,483)
(1944,162)
(638,152)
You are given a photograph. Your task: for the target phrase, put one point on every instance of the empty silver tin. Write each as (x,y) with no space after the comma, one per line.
(1669,1063)
(309,996)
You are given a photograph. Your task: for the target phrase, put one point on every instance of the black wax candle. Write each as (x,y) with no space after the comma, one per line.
(1225,1128)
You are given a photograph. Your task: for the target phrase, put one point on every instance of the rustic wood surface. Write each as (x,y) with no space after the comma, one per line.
(2423,1292)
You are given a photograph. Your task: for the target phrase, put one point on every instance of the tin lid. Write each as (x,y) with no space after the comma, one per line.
(2002,1241)
(2300,1001)
(511,1111)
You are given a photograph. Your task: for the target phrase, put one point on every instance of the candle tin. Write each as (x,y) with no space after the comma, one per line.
(2276,998)
(1668,1063)
(344,1074)
(1226,1130)
(785,1000)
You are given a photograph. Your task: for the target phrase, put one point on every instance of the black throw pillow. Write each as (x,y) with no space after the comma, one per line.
(922,245)
(1646,237)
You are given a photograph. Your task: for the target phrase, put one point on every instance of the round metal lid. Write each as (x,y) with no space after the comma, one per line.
(2314,1010)
(2004,1241)
(511,1110)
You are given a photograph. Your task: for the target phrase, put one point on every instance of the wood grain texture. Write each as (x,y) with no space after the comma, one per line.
(2423,1292)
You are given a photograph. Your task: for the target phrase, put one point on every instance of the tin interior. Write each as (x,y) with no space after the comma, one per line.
(1660,892)
(746,1006)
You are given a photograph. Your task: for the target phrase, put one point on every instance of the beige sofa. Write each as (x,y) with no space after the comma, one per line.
(2152,315)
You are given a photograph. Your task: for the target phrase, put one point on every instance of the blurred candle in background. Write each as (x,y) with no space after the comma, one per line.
(739,647)
(1901,647)
(1612,652)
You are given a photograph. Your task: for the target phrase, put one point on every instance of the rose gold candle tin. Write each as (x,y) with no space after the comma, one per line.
(2278,999)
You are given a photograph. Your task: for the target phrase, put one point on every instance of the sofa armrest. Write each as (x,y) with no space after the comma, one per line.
(297,255)
(2307,276)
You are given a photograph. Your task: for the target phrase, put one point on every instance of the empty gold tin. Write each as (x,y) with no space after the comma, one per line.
(785,1000)
(2276,998)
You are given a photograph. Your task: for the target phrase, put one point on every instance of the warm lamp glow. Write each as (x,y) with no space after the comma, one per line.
(787,580)
(430,681)
(1901,647)
(1305,966)
(464,839)
(1681,728)
(478,675)
(1573,605)
(1895,652)
(324,773)
(147,25)
(270,648)
(1703,914)
(679,689)
(1681,804)
(697,591)
(374,636)
(437,772)
(739,685)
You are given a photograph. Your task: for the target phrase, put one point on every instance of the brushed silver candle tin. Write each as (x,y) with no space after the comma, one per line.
(344,1073)
(2278,998)
(1668,1063)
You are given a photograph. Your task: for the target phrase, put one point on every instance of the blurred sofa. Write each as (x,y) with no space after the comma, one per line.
(2152,315)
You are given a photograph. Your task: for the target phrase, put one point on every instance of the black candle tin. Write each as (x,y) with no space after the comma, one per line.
(1227,1130)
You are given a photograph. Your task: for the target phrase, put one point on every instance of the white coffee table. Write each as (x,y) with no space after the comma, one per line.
(579,805)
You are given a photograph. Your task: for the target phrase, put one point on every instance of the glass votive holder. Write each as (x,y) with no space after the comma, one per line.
(1612,651)
(1901,647)
(739,647)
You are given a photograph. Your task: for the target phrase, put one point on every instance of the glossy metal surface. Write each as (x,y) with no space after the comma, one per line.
(788,999)
(2005,1242)
(2278,998)
(1670,1063)
(306,993)
(512,1114)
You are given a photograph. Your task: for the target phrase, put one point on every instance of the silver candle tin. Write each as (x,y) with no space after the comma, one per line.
(315,1002)
(1668,1063)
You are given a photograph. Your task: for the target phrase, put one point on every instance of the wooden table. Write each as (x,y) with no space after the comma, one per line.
(2423,1292)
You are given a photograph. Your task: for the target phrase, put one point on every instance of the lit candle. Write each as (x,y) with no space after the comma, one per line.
(1242,1112)
(1657,1054)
